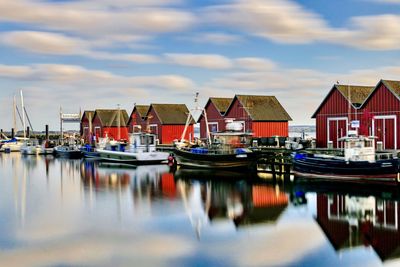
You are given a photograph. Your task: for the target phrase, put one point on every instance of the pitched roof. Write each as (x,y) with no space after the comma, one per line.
(221,103)
(142,109)
(358,95)
(87,113)
(394,86)
(263,108)
(109,117)
(355,94)
(172,113)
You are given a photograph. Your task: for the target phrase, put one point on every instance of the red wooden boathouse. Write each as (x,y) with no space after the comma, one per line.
(168,121)
(215,110)
(138,118)
(334,114)
(105,123)
(86,130)
(375,108)
(264,116)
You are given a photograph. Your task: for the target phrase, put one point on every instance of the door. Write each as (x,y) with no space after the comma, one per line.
(385,131)
(337,128)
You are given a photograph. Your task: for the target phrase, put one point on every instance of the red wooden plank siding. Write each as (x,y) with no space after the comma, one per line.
(112,132)
(270,128)
(384,103)
(136,119)
(213,115)
(173,132)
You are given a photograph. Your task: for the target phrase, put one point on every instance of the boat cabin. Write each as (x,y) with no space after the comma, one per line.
(142,142)
(358,148)
(233,136)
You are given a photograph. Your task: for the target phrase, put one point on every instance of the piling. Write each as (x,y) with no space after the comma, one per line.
(47,131)
(28,134)
(12,133)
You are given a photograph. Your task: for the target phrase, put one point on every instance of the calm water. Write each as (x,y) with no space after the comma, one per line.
(56,212)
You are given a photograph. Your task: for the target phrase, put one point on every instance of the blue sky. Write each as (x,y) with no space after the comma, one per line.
(87,54)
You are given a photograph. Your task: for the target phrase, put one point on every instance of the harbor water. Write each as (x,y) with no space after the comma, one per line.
(60,212)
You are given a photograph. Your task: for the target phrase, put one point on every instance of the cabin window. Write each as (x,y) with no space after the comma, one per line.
(150,139)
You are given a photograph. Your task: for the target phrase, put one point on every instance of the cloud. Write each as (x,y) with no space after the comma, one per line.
(208,61)
(278,20)
(60,44)
(217,38)
(287,22)
(95,19)
(253,63)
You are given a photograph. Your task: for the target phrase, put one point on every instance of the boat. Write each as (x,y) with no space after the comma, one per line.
(12,145)
(31,147)
(68,151)
(360,163)
(141,149)
(90,151)
(47,148)
(225,150)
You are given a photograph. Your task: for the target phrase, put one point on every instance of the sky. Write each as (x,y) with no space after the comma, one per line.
(88,54)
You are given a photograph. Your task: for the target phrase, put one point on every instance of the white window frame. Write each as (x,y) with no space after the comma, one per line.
(213,123)
(244,125)
(384,118)
(337,119)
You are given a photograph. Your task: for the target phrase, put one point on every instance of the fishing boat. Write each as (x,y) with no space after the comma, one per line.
(226,150)
(360,163)
(70,151)
(141,149)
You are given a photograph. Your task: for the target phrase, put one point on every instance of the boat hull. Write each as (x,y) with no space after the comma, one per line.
(71,154)
(132,158)
(214,161)
(381,171)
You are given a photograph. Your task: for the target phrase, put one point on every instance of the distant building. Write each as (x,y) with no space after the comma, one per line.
(215,110)
(168,121)
(105,123)
(370,110)
(86,129)
(263,116)
(137,120)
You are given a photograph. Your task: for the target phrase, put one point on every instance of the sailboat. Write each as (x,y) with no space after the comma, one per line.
(15,144)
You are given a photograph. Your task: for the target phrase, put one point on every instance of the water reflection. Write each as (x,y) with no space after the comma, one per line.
(53,210)
(359,216)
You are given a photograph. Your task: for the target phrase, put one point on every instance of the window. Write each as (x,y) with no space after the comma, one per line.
(213,127)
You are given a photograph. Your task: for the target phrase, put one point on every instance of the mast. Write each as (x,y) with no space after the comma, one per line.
(15,115)
(23,114)
(119,123)
(349,109)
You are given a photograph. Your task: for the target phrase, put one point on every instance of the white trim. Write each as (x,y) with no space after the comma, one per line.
(244,125)
(337,119)
(384,118)
(212,123)
(156,126)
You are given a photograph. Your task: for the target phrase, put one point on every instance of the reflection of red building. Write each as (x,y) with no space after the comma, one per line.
(360,221)
(246,205)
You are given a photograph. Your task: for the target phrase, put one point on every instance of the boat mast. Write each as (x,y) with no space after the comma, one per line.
(23,114)
(119,123)
(15,115)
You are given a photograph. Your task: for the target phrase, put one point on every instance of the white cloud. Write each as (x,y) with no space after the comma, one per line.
(217,38)
(253,63)
(208,61)
(97,18)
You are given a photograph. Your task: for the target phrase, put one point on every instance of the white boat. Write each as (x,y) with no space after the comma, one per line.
(140,150)
(31,147)
(12,145)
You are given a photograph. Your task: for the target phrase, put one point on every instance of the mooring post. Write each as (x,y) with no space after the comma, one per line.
(12,133)
(47,132)
(28,133)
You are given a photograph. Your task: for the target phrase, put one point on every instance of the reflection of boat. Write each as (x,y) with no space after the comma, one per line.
(140,150)
(359,164)
(218,175)
(89,151)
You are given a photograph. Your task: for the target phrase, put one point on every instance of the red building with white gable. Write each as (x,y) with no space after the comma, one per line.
(168,121)
(375,108)
(215,110)
(105,124)
(137,120)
